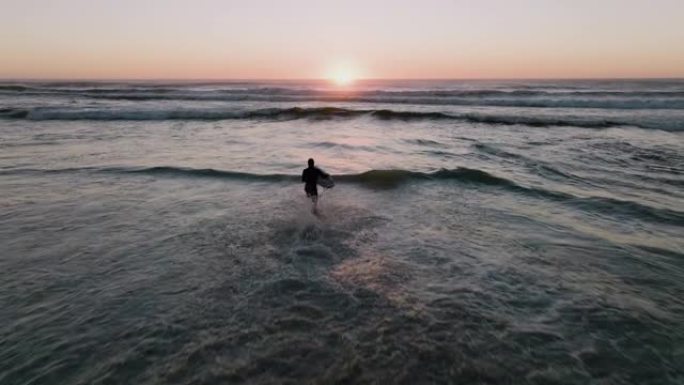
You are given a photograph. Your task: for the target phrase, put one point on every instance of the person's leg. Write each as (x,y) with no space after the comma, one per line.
(312,192)
(314,199)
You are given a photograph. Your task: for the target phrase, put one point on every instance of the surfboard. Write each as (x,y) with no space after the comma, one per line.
(326,182)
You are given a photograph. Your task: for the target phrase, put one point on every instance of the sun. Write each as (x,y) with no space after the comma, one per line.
(342,78)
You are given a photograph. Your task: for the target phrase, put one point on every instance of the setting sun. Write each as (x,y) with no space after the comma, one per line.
(342,78)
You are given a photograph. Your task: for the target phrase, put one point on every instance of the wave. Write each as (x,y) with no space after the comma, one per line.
(544,98)
(14,113)
(395,178)
(319,113)
(372,178)
(388,179)
(14,88)
(206,172)
(125,89)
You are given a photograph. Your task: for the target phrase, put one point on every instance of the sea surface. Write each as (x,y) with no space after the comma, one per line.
(480,232)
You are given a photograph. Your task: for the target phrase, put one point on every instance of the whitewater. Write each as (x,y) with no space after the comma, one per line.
(480,232)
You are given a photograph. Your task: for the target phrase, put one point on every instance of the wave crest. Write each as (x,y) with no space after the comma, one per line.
(319,113)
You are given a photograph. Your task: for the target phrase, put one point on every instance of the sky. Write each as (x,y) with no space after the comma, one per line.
(307,39)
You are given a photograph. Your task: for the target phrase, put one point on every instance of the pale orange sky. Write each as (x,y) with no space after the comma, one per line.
(261,39)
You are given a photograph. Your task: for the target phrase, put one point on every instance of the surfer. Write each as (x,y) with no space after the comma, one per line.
(310,178)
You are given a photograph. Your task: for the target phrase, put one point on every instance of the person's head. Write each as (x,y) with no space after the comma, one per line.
(311,162)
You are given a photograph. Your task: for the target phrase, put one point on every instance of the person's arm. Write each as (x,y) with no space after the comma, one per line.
(303,173)
(323,174)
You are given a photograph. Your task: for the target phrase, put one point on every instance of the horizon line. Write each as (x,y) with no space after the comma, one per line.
(122,79)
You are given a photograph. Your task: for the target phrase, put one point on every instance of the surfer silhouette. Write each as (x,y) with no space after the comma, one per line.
(310,179)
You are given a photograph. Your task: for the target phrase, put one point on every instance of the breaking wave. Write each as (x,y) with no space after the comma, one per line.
(320,113)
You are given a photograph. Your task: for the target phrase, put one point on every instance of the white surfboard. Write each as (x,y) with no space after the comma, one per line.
(326,182)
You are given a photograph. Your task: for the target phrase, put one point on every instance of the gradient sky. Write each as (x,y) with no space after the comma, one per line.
(260,39)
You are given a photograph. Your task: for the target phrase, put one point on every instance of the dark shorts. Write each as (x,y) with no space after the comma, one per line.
(311,190)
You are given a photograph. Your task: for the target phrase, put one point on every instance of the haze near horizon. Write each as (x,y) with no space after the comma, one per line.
(304,39)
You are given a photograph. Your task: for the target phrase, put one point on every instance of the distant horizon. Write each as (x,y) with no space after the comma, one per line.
(324,79)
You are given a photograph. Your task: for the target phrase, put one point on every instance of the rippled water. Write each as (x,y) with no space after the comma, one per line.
(479,232)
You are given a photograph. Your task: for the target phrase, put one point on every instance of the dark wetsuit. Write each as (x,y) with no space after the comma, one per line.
(310,177)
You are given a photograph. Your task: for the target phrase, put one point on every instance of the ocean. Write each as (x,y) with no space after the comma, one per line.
(480,232)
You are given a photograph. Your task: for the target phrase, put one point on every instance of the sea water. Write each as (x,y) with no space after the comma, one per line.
(480,232)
